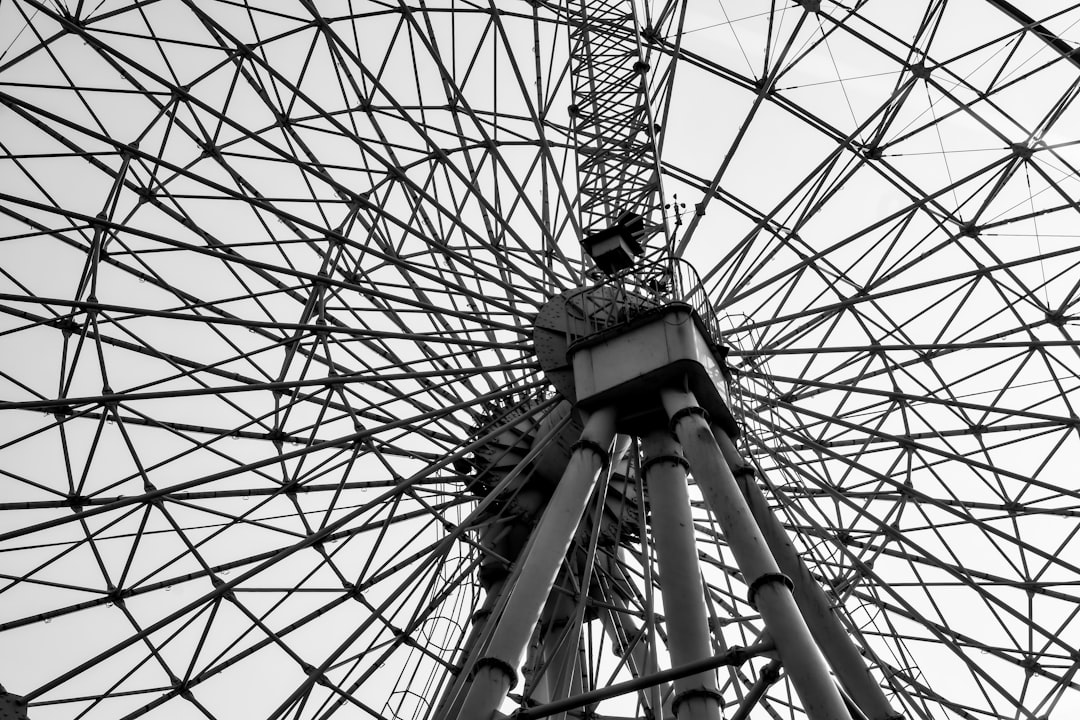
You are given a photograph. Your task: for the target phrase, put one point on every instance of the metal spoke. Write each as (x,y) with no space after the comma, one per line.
(275,403)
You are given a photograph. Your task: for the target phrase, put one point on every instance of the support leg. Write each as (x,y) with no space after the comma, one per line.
(496,672)
(696,696)
(830,635)
(802,659)
(501,544)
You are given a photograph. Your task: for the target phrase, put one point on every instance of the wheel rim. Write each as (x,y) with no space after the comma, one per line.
(268,293)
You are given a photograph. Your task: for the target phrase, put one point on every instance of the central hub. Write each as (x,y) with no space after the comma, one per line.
(626,366)
(617,343)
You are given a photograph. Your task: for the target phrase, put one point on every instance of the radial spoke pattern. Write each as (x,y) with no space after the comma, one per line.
(270,405)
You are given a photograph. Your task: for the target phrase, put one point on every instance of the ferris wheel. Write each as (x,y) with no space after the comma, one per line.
(568,358)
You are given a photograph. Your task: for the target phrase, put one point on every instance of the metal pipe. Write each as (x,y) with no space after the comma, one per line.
(557,649)
(766,678)
(734,656)
(1039,30)
(628,638)
(568,659)
(496,673)
(830,634)
(769,591)
(697,697)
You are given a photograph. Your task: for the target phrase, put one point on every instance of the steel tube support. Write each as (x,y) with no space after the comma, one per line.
(626,635)
(768,676)
(497,542)
(802,659)
(697,697)
(734,656)
(496,672)
(831,637)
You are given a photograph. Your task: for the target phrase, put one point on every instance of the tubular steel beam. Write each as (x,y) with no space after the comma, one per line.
(734,656)
(222,588)
(495,674)
(697,697)
(1039,30)
(816,608)
(769,590)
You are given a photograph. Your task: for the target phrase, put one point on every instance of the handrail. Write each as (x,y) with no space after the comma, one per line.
(646,286)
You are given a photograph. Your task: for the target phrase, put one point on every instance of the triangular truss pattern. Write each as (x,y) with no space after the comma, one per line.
(618,98)
(269,393)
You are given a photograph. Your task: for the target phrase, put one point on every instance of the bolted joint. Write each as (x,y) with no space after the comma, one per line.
(499,664)
(763,580)
(692,694)
(743,473)
(586,444)
(673,459)
(687,412)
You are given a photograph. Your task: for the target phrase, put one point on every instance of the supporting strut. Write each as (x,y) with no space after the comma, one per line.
(768,675)
(770,592)
(496,672)
(697,697)
(734,656)
(826,628)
